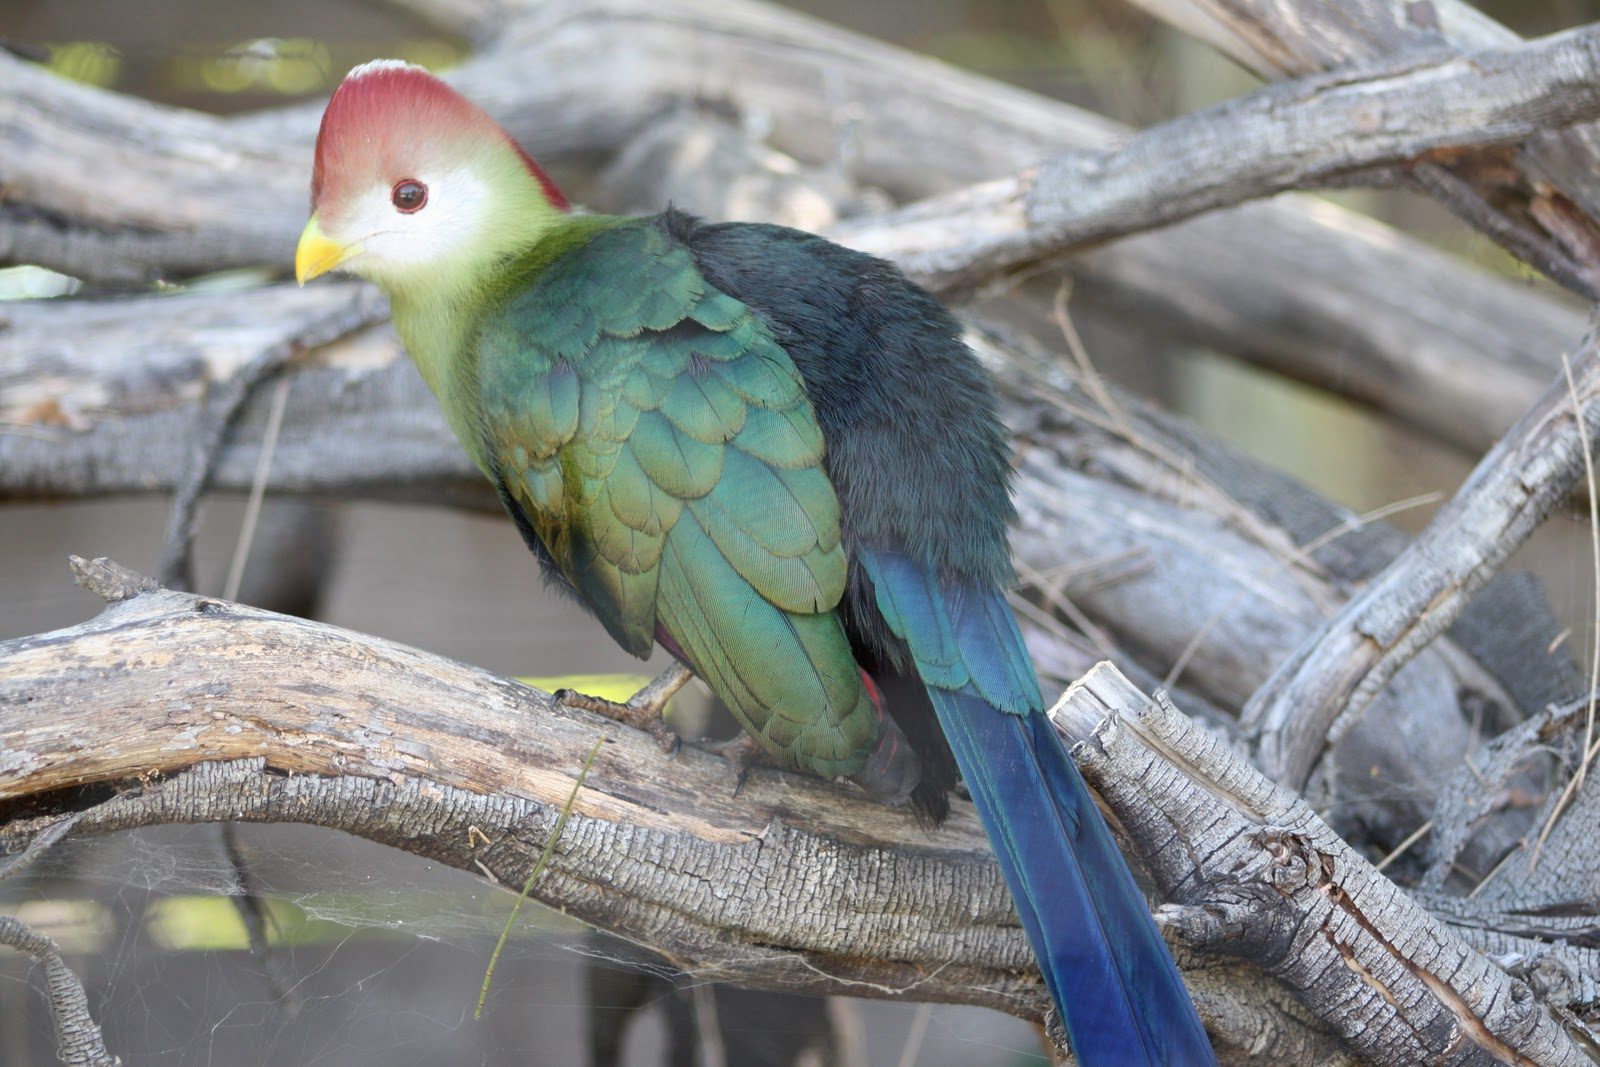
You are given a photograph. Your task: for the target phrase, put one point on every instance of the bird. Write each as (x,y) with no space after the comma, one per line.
(774,457)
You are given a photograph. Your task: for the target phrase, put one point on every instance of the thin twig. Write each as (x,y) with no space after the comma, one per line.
(250,903)
(45,840)
(919,1030)
(258,491)
(1301,554)
(1052,593)
(176,570)
(1092,382)
(1400,849)
(79,1041)
(1560,807)
(707,1028)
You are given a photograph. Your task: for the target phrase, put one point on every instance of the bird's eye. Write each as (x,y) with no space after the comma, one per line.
(408,195)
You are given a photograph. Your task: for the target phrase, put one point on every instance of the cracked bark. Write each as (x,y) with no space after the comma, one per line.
(1256,872)
(194,720)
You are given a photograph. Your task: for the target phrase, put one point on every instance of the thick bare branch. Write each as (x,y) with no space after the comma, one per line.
(1434,341)
(1253,867)
(797,883)
(1341,667)
(1541,200)
(412,750)
(1289,135)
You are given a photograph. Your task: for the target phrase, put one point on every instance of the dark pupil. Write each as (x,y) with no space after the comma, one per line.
(409,195)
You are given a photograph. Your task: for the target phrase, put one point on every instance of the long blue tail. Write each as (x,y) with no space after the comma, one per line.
(1107,968)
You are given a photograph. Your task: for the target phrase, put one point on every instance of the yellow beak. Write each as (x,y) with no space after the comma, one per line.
(318,255)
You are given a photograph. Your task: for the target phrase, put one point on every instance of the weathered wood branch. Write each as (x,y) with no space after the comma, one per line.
(1269,874)
(799,884)
(1340,668)
(1541,200)
(1216,579)
(79,1042)
(796,884)
(1289,135)
(575,80)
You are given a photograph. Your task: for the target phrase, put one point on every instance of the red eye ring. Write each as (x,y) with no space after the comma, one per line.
(408,195)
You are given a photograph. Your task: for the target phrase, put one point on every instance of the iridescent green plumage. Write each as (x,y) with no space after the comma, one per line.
(659,442)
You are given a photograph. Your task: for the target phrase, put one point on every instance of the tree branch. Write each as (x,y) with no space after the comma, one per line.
(79,1042)
(220,192)
(1339,669)
(1257,872)
(1541,201)
(798,884)
(1289,135)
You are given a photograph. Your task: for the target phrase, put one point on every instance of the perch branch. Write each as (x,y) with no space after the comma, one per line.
(410,749)
(798,884)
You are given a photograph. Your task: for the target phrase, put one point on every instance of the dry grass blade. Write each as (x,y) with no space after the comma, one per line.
(1400,849)
(533,876)
(1594,545)
(1092,382)
(1589,746)
(258,491)
(1302,555)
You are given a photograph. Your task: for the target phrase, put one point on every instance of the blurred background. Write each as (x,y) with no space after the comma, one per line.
(380,955)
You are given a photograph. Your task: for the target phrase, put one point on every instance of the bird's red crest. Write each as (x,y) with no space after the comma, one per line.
(402,106)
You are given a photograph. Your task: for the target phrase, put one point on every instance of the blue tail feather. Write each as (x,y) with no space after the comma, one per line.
(1107,969)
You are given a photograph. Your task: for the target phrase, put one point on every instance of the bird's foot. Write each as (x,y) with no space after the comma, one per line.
(642,710)
(742,753)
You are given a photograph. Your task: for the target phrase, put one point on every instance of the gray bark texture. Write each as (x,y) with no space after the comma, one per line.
(1367,677)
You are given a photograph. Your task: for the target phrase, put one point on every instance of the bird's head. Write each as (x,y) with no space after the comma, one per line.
(414,184)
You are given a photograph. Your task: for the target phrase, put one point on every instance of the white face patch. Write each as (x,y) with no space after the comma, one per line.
(395,244)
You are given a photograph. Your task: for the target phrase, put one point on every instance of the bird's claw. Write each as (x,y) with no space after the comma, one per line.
(742,753)
(642,711)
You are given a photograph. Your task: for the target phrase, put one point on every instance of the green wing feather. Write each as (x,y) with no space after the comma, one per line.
(659,441)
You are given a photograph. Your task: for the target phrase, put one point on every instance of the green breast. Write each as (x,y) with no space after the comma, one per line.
(660,443)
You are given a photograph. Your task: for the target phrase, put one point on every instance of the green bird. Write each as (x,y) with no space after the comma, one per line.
(771,456)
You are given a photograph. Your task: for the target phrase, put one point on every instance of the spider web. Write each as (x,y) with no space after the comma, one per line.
(376,958)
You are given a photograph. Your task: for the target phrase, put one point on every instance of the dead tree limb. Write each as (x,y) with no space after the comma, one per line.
(1272,876)
(1294,134)
(575,80)
(1540,200)
(1339,669)
(797,883)
(195,720)
(79,1042)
